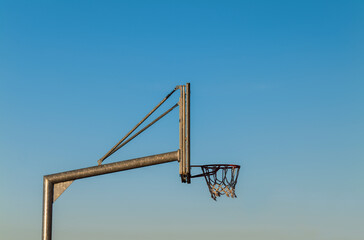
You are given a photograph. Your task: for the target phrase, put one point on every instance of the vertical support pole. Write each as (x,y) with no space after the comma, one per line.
(180,135)
(184,133)
(184,130)
(47,209)
(188,152)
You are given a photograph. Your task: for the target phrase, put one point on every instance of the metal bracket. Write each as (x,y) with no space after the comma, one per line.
(59,188)
(184,133)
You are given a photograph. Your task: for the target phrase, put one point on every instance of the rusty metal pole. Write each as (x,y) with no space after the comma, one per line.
(181,128)
(188,133)
(47,209)
(50,180)
(184,130)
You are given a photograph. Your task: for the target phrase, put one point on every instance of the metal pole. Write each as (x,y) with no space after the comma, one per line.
(184,130)
(50,180)
(181,128)
(188,133)
(47,209)
(113,167)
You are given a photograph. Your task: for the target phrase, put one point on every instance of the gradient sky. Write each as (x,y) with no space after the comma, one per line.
(277,86)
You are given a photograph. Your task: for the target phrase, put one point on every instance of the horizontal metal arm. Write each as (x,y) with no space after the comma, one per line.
(50,181)
(112,167)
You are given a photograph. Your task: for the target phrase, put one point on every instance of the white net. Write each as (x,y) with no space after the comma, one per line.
(221,179)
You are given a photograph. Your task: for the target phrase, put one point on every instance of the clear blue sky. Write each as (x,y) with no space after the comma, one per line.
(277,86)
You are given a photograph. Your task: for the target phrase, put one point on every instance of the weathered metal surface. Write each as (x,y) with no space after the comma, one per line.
(113,167)
(188,134)
(47,209)
(51,180)
(59,188)
(180,103)
(184,131)
(55,184)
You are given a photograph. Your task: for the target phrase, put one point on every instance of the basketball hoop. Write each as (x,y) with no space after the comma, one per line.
(220,178)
